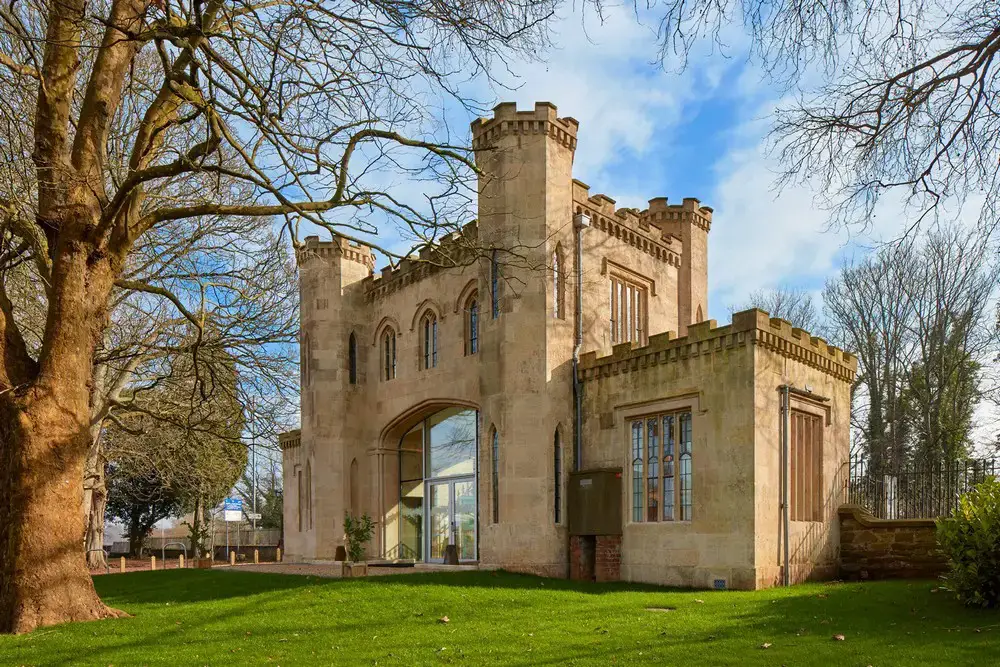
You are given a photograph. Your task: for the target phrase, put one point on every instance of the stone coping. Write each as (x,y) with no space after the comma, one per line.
(866,519)
(752,326)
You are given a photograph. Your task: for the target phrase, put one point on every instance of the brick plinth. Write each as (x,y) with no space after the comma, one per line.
(595,558)
(873,548)
(608,558)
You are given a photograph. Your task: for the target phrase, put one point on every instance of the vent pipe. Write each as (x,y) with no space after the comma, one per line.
(581,221)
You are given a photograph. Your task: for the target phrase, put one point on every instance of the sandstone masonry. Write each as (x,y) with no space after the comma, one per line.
(438,396)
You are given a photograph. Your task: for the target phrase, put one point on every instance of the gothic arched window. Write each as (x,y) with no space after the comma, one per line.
(388,354)
(495,470)
(494,285)
(429,338)
(472,325)
(557,467)
(558,284)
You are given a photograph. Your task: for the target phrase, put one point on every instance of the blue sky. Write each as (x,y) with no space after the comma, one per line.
(699,132)
(646,131)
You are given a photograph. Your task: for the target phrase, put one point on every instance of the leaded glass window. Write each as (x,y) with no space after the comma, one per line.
(662,470)
(638,501)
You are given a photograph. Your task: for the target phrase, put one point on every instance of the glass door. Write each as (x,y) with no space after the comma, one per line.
(439,521)
(464,518)
(451,518)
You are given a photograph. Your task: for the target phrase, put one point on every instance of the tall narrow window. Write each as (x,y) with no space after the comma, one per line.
(309,495)
(429,335)
(472,326)
(557,468)
(495,463)
(389,354)
(352,359)
(806,454)
(662,467)
(638,501)
(652,469)
(494,285)
(628,304)
(668,468)
(684,457)
(558,284)
(306,354)
(300,496)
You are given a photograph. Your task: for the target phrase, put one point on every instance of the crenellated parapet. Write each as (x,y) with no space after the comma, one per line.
(749,328)
(626,224)
(459,248)
(339,248)
(690,210)
(508,121)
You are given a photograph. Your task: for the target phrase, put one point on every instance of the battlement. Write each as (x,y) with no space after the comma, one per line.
(628,224)
(338,247)
(690,210)
(455,249)
(507,120)
(749,327)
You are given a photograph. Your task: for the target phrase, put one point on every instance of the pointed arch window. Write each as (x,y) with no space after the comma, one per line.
(494,285)
(388,354)
(495,474)
(352,359)
(306,353)
(429,336)
(309,495)
(558,284)
(557,469)
(472,325)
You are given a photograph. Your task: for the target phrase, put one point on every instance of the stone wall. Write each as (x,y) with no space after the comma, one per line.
(873,548)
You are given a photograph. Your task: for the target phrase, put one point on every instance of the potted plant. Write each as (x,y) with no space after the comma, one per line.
(357,533)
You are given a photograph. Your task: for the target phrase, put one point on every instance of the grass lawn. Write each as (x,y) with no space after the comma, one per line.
(200,617)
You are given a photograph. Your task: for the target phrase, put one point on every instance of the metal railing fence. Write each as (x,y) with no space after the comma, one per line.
(914,491)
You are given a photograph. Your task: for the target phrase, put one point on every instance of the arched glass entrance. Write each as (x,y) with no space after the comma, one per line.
(437,486)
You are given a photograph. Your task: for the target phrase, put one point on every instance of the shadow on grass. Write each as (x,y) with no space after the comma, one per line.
(205,585)
(901,623)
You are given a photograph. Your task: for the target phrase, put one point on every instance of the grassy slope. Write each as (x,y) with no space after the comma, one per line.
(204,617)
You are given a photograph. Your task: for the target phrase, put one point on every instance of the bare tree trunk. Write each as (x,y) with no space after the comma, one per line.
(95,500)
(45,436)
(43,573)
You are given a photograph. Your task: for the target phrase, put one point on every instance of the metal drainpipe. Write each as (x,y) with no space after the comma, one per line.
(786,424)
(580,222)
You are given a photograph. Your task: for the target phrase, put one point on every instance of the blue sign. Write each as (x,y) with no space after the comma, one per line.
(233,504)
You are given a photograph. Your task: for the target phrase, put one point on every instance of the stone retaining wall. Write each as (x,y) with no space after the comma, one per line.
(873,548)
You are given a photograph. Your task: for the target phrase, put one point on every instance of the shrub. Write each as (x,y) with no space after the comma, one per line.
(971,542)
(357,533)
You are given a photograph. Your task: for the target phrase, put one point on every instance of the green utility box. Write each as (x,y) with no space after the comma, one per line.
(595,502)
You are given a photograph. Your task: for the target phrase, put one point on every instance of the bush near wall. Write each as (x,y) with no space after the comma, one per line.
(971,541)
(873,548)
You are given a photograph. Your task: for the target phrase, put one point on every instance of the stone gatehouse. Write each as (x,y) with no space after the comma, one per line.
(451,400)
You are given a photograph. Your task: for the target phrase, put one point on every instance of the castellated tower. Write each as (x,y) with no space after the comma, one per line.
(317,487)
(525,212)
(690,222)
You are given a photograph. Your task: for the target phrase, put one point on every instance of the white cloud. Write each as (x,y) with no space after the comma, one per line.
(602,73)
